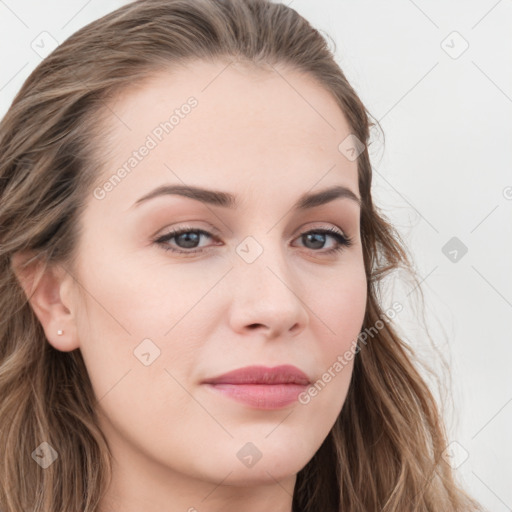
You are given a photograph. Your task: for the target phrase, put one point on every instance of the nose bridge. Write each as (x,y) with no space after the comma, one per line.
(265,289)
(262,261)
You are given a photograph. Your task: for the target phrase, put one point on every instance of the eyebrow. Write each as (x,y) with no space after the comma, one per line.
(227,200)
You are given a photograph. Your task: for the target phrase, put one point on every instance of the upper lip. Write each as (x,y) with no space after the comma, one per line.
(284,374)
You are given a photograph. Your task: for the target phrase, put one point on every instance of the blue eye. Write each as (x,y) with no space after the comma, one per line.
(187,240)
(318,236)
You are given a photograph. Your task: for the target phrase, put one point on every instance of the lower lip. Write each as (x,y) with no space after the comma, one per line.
(261,396)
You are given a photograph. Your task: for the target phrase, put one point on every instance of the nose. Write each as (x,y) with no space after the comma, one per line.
(266,297)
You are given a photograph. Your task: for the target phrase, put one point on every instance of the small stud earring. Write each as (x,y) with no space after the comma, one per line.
(59,332)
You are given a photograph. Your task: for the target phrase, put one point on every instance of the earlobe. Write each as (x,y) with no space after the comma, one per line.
(46,290)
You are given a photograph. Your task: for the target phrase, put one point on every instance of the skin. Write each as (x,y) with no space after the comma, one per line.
(174,442)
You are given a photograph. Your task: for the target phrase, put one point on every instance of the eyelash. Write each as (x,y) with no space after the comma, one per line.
(342,241)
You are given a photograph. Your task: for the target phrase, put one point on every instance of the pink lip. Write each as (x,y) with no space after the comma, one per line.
(262,387)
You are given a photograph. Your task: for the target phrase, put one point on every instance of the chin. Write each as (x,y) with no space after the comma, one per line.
(278,460)
(261,474)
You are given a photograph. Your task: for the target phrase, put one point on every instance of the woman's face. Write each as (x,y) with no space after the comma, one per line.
(155,320)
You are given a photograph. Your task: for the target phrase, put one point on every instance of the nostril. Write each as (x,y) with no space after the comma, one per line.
(295,328)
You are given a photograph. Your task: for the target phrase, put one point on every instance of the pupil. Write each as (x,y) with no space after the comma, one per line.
(317,238)
(189,238)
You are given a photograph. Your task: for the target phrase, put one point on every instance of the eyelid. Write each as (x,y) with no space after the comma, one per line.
(318,225)
(217,232)
(186,226)
(342,240)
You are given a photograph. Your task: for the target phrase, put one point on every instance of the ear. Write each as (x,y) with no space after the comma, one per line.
(49,291)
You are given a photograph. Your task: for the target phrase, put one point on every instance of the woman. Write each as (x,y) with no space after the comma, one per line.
(190,275)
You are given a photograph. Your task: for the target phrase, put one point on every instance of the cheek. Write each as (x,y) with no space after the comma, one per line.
(134,369)
(131,315)
(340,308)
(132,298)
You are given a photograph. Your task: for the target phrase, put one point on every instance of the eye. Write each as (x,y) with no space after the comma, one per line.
(187,239)
(317,237)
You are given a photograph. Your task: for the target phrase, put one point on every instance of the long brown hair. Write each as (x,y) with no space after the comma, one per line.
(384,452)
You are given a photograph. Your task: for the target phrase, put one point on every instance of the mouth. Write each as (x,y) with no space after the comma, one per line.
(261,387)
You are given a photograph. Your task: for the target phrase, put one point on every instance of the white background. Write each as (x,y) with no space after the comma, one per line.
(444,171)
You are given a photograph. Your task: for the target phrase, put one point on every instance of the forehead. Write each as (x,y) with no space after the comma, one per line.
(223,123)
